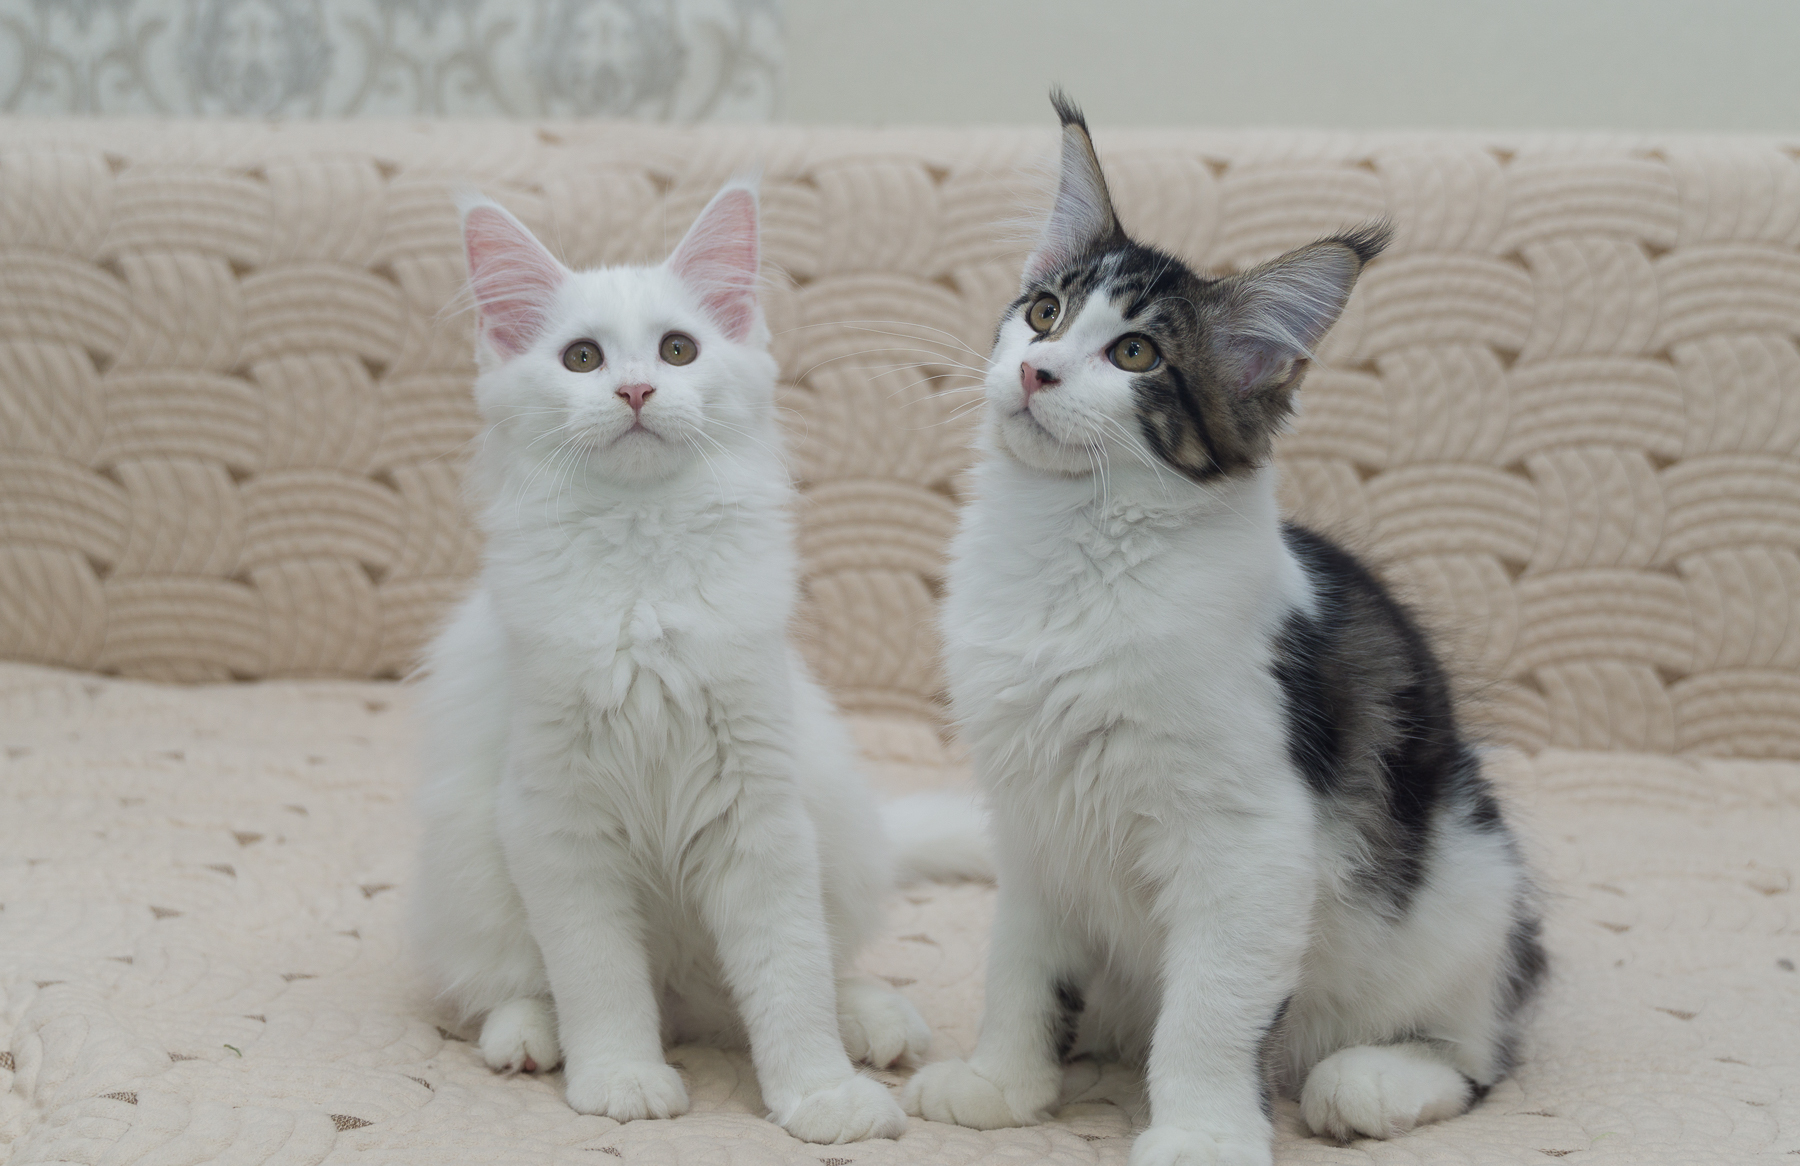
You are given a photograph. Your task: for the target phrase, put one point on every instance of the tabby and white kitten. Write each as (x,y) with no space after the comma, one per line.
(642,819)
(1238,831)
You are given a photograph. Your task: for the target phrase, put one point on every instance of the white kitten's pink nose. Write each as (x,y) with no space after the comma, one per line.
(1033,379)
(635,395)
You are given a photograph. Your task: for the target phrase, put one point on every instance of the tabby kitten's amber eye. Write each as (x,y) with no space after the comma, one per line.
(679,348)
(582,356)
(1042,313)
(1135,354)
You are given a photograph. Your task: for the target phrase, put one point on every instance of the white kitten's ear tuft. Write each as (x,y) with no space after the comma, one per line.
(1277,313)
(1082,218)
(718,259)
(514,278)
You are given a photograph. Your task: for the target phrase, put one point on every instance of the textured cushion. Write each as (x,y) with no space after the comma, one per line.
(1561,412)
(200,960)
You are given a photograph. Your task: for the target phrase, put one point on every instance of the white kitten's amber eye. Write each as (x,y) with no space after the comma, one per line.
(1135,353)
(679,348)
(582,356)
(1042,313)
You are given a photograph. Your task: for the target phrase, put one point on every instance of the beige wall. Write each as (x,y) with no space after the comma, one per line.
(1550,64)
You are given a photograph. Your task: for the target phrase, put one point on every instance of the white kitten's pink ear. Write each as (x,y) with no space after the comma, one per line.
(1277,313)
(719,259)
(1082,218)
(514,278)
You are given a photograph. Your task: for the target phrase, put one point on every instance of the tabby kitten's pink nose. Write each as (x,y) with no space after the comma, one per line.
(636,395)
(1033,379)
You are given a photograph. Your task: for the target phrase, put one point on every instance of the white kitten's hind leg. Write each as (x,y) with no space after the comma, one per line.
(1381,1091)
(520,1037)
(468,925)
(879,1026)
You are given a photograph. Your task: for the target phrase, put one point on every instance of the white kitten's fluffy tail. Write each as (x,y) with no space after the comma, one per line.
(939,837)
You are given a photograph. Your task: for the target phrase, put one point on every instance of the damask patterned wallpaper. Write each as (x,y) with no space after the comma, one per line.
(665,60)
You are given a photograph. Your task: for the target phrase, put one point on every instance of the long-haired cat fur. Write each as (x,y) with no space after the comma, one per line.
(643,821)
(1240,834)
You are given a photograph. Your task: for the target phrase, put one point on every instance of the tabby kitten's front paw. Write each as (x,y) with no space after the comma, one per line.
(954,1092)
(849,1111)
(627,1092)
(1173,1146)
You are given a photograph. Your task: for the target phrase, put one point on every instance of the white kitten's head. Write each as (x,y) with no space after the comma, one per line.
(1117,354)
(627,374)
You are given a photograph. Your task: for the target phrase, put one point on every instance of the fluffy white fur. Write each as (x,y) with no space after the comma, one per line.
(643,821)
(1108,629)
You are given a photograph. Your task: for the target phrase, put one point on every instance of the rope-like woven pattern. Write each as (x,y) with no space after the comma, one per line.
(1561,412)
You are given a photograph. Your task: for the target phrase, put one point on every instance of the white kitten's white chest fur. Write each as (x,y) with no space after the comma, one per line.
(670,614)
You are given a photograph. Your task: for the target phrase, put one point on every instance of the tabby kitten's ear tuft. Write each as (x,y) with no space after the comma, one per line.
(1082,219)
(1277,313)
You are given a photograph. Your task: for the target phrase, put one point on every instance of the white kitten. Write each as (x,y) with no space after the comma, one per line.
(1238,831)
(642,819)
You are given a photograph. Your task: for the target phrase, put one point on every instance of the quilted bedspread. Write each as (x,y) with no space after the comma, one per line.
(201,960)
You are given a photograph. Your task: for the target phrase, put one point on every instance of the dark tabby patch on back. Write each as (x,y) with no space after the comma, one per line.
(1371,721)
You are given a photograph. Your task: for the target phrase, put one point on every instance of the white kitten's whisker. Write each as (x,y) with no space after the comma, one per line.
(549,433)
(774,451)
(556,475)
(700,450)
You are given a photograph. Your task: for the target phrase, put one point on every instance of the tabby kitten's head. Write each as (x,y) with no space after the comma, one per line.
(1116,353)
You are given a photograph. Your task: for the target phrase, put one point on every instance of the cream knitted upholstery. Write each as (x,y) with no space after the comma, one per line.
(1561,413)
(1561,410)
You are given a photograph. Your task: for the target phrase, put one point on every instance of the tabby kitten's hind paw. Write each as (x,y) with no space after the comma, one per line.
(878,1025)
(956,1093)
(1381,1091)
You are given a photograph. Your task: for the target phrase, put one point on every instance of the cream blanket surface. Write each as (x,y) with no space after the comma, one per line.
(202,960)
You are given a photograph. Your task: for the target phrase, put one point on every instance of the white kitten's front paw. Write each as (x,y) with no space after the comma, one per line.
(1173,1146)
(1380,1092)
(849,1111)
(520,1037)
(627,1092)
(878,1025)
(953,1092)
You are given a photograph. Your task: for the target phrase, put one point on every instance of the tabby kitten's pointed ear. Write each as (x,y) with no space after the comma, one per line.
(719,257)
(514,278)
(1082,218)
(1277,313)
